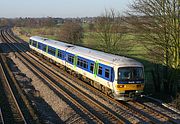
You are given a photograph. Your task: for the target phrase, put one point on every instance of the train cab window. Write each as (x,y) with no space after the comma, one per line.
(100,70)
(91,67)
(107,73)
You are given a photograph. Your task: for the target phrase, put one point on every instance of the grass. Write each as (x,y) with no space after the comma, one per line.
(90,39)
(26,32)
(137,52)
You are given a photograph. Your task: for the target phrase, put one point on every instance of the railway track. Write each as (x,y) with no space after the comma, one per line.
(27,110)
(156,117)
(134,111)
(123,109)
(97,113)
(121,112)
(1,116)
(18,116)
(161,112)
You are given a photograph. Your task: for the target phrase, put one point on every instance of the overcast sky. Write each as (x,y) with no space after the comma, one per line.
(59,8)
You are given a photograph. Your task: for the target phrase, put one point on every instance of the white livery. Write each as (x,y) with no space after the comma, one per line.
(119,76)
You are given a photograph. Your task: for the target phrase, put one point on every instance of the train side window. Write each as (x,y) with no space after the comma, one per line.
(39,45)
(44,47)
(91,67)
(81,63)
(100,70)
(107,73)
(30,41)
(51,51)
(85,64)
(34,43)
(70,58)
(78,62)
(63,55)
(59,54)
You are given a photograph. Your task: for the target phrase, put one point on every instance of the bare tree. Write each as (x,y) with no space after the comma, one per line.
(157,23)
(110,32)
(71,32)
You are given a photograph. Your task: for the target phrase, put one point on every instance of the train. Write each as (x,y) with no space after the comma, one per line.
(117,76)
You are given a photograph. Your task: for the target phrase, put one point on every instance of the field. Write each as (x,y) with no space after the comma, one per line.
(89,39)
(137,52)
(25,33)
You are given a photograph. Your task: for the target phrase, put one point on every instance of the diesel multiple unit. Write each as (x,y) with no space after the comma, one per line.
(120,77)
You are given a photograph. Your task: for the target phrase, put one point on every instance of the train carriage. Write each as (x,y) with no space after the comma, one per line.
(49,49)
(121,77)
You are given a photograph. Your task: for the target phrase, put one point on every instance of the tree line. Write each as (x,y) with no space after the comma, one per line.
(157,27)
(154,23)
(28,22)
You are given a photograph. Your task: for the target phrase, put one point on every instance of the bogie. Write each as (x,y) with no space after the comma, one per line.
(99,69)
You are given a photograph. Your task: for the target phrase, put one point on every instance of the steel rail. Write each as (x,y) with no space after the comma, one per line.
(1,116)
(20,114)
(51,83)
(154,114)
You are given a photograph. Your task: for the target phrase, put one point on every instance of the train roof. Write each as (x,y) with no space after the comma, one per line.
(95,55)
(105,57)
(53,43)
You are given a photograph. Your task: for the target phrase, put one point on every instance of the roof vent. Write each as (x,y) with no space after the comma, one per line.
(45,39)
(114,60)
(69,46)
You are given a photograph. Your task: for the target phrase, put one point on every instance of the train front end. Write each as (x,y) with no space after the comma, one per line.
(130,83)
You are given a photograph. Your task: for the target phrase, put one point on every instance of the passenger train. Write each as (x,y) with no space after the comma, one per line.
(117,76)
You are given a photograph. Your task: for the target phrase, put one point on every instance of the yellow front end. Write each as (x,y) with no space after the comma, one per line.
(128,91)
(126,87)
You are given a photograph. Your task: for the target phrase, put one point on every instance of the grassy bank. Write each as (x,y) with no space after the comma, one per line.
(25,33)
(137,52)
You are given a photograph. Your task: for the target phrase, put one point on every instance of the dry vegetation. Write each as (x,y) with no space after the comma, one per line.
(26,32)
(154,37)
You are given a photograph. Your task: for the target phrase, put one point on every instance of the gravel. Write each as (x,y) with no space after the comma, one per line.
(51,107)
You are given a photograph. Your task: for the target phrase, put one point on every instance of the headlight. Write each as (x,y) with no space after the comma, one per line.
(121,86)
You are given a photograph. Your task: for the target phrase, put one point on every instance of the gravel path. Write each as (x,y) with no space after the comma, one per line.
(65,113)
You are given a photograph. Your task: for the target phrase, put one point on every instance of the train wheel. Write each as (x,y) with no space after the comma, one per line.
(109,93)
(103,89)
(92,83)
(79,76)
(74,74)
